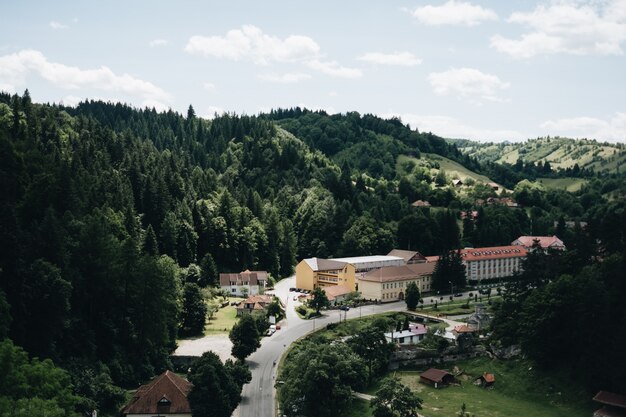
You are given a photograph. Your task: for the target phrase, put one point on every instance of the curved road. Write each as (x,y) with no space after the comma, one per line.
(258,395)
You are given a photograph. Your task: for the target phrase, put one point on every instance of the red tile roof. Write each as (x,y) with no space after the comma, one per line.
(609,398)
(434,375)
(463,328)
(495,252)
(335,291)
(165,394)
(544,241)
(489,377)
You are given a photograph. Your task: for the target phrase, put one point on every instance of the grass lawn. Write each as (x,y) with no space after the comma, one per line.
(519,391)
(568,184)
(223,320)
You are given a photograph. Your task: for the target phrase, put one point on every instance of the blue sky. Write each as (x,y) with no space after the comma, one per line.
(482,70)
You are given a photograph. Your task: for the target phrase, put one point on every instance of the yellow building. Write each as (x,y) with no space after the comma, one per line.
(389,283)
(315,272)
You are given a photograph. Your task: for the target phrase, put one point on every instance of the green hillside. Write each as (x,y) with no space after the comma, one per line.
(561,153)
(567,184)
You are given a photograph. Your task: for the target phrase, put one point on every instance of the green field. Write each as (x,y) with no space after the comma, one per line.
(567,184)
(519,391)
(223,320)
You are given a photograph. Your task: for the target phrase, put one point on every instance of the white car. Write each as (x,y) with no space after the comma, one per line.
(270,332)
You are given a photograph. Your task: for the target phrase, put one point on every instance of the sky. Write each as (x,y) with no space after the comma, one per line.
(482,70)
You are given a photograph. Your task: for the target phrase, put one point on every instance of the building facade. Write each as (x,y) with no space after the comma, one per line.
(254,281)
(492,263)
(389,283)
(312,273)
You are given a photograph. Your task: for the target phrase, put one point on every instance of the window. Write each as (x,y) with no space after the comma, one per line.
(234,290)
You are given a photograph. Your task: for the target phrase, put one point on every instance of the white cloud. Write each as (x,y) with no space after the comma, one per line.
(7,88)
(57,25)
(288,78)
(14,69)
(158,106)
(406,59)
(71,101)
(251,44)
(208,86)
(333,93)
(158,42)
(213,111)
(454,13)
(468,83)
(449,127)
(333,69)
(568,27)
(613,128)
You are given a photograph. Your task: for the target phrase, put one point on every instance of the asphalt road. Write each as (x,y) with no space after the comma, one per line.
(258,394)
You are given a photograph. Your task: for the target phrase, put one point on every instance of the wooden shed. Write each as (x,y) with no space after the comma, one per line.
(486,380)
(437,378)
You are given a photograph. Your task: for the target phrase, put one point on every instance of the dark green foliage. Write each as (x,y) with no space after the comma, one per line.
(590,300)
(245,337)
(216,388)
(34,385)
(5,316)
(412,296)
(393,399)
(194,310)
(449,272)
(311,366)
(370,344)
(319,299)
(209,275)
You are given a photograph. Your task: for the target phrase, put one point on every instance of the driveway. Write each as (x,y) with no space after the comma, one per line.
(220,344)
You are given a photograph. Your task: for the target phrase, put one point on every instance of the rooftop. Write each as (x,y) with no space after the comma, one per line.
(435,375)
(399,273)
(319,264)
(166,393)
(335,291)
(407,255)
(609,398)
(368,259)
(544,241)
(495,252)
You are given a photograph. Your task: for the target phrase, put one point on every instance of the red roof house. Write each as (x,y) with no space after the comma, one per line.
(164,395)
(437,377)
(545,242)
(614,404)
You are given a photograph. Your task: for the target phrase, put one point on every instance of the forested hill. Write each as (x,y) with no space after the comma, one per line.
(560,153)
(108,212)
(367,143)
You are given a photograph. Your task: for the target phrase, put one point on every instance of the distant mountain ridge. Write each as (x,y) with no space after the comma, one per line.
(561,153)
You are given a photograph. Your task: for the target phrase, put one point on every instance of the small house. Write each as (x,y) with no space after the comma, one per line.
(457,183)
(614,405)
(437,378)
(336,294)
(415,334)
(485,380)
(165,395)
(256,303)
(420,203)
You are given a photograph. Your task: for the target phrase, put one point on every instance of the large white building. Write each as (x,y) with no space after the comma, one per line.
(492,263)
(254,282)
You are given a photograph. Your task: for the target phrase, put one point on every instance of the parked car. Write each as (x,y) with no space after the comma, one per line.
(295,298)
(292,289)
(344,308)
(458,294)
(270,332)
